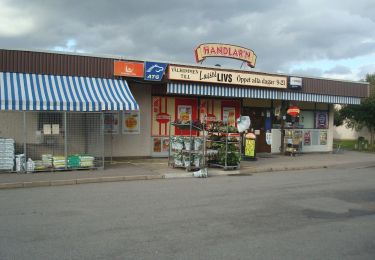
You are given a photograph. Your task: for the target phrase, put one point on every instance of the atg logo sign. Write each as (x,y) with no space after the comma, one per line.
(154,71)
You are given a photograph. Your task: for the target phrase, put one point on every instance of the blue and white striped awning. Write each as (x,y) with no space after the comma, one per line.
(20,91)
(241,92)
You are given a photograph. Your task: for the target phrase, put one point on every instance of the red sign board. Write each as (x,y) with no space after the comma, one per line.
(163,118)
(128,69)
(293,111)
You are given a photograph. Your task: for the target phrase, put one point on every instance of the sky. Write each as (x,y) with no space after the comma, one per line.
(331,39)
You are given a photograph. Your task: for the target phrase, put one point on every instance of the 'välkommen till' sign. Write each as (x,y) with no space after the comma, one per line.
(225,77)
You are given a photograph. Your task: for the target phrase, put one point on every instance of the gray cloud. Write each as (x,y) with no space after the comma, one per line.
(281,33)
(341,70)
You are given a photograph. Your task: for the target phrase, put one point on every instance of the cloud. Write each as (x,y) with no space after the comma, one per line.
(284,34)
(339,69)
(14,22)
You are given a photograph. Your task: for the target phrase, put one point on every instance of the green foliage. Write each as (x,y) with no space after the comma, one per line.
(338,117)
(359,116)
(370,78)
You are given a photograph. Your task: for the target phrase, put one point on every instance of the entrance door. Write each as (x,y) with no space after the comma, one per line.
(258,122)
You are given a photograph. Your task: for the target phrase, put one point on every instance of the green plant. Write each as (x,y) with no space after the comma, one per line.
(230,154)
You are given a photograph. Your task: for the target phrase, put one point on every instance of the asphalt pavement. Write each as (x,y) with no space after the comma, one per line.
(307,214)
(157,168)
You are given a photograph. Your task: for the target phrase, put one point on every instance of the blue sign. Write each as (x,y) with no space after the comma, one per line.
(154,71)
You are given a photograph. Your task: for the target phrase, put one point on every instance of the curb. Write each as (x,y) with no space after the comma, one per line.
(33,184)
(216,173)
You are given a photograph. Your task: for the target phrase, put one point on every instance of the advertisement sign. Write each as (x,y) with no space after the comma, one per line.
(225,77)
(154,71)
(184,113)
(131,122)
(205,50)
(293,111)
(229,115)
(295,83)
(269,138)
(162,113)
(128,69)
(111,123)
(249,147)
(307,138)
(321,120)
(160,145)
(323,138)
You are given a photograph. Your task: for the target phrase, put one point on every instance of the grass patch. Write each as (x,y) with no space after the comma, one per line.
(345,144)
(353,145)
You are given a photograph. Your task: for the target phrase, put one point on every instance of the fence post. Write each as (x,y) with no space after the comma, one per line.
(65,142)
(24,140)
(102,136)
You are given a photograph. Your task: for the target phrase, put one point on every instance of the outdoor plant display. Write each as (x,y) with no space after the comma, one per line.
(177,142)
(231,154)
(188,151)
(226,145)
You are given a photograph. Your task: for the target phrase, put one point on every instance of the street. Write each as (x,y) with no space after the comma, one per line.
(311,214)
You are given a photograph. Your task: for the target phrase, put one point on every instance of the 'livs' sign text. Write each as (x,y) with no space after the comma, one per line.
(226,77)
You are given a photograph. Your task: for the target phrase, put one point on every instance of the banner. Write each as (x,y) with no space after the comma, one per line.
(225,77)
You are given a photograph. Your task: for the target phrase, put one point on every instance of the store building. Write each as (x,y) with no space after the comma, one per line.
(63,104)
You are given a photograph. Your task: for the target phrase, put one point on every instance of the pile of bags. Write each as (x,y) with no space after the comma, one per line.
(59,162)
(80,161)
(6,154)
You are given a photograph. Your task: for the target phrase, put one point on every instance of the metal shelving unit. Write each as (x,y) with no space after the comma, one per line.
(185,151)
(227,143)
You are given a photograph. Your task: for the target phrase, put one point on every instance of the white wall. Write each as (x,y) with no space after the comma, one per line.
(343,133)
(134,144)
(11,126)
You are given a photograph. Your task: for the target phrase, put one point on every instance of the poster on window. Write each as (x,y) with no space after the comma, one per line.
(321,120)
(160,146)
(229,115)
(111,123)
(131,122)
(323,137)
(184,113)
(307,138)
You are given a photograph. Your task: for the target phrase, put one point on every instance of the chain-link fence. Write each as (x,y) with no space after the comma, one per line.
(51,141)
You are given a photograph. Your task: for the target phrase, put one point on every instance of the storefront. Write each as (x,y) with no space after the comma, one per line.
(265,98)
(57,122)
(64,104)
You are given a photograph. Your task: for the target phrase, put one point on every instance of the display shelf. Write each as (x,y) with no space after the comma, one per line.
(228,148)
(192,158)
(189,126)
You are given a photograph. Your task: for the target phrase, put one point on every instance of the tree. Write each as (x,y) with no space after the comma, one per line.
(338,118)
(370,78)
(359,116)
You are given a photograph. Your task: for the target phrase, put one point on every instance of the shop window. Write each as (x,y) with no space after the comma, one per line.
(307,119)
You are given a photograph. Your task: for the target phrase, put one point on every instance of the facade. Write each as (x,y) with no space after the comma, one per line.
(136,100)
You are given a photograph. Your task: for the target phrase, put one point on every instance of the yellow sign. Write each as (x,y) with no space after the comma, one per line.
(225,50)
(250,147)
(226,77)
